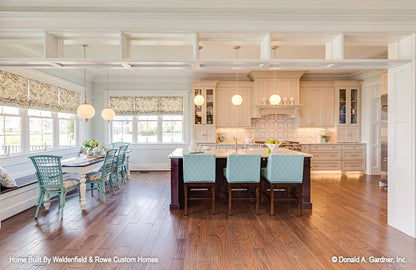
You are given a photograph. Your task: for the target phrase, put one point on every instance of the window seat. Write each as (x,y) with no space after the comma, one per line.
(21,182)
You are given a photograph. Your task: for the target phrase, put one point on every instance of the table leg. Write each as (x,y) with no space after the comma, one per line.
(82,190)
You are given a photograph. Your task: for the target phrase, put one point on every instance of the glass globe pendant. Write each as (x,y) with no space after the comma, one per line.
(108,113)
(237,100)
(275,99)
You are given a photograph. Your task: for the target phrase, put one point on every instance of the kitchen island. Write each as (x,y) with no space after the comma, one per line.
(176,168)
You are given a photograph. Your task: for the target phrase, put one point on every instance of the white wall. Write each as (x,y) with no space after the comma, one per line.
(143,156)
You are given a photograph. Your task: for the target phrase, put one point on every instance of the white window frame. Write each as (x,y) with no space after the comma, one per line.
(159,132)
(25,131)
(19,114)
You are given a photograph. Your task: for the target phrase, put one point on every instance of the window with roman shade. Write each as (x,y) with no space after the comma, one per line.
(147,105)
(18,91)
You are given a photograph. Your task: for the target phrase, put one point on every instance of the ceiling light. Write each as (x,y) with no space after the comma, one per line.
(237,99)
(108,113)
(85,110)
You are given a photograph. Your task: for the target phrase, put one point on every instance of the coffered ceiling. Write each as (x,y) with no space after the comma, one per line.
(158,40)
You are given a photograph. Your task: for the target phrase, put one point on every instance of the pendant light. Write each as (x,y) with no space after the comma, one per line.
(236,99)
(199,98)
(275,98)
(108,113)
(85,110)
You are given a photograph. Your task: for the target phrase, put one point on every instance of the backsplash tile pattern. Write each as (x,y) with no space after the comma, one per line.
(279,127)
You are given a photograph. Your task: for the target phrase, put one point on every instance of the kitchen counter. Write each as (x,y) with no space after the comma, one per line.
(176,166)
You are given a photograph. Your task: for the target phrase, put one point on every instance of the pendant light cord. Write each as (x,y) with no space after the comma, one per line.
(108,91)
(85,76)
(236,48)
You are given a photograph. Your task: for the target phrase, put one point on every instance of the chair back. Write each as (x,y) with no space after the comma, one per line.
(48,171)
(198,168)
(121,154)
(243,168)
(285,168)
(108,163)
(118,144)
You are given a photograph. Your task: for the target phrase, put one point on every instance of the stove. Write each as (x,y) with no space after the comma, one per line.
(291,145)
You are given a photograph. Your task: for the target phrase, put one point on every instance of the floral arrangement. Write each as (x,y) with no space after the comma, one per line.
(90,144)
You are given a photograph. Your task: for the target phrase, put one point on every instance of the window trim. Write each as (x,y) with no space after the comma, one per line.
(25,131)
(159,131)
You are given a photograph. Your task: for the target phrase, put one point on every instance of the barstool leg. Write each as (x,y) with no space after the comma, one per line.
(271,199)
(186,199)
(300,199)
(213,198)
(229,199)
(257,199)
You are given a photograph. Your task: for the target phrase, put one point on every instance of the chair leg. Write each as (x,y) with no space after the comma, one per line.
(261,191)
(39,204)
(213,198)
(110,181)
(271,199)
(300,199)
(92,189)
(186,198)
(257,199)
(102,190)
(62,203)
(229,199)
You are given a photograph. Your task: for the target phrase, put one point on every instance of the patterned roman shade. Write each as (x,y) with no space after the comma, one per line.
(22,92)
(13,90)
(147,105)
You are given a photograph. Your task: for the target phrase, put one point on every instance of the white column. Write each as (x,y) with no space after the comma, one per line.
(334,49)
(402,141)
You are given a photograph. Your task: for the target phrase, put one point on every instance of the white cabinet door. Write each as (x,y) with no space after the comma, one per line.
(318,107)
(348,110)
(230,115)
(205,134)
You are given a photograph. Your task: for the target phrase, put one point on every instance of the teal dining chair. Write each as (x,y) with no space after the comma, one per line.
(120,164)
(242,171)
(199,172)
(99,179)
(284,172)
(51,181)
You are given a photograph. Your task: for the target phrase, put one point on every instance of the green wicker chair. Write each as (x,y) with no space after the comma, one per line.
(118,144)
(51,181)
(98,179)
(120,164)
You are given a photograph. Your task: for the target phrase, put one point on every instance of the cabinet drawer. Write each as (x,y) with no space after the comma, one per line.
(325,165)
(324,147)
(353,155)
(328,155)
(353,146)
(353,165)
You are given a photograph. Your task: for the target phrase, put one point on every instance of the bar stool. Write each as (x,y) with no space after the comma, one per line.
(242,171)
(284,171)
(199,171)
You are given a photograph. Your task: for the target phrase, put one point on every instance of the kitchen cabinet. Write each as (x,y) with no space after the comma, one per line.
(348,111)
(337,157)
(318,99)
(204,116)
(228,114)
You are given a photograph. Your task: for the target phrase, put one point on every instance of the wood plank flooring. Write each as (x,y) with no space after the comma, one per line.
(349,219)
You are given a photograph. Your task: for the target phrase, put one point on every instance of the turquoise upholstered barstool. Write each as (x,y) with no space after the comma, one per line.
(199,171)
(284,171)
(243,171)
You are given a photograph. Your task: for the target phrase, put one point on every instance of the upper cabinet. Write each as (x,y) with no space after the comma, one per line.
(318,99)
(205,113)
(228,114)
(348,111)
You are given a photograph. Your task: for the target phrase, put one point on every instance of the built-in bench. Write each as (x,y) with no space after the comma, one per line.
(17,199)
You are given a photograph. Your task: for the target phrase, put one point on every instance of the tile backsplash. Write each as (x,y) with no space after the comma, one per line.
(278,127)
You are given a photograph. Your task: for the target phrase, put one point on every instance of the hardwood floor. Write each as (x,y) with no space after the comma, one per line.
(349,219)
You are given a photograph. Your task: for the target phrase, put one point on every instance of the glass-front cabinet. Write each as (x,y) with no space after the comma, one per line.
(348,111)
(204,114)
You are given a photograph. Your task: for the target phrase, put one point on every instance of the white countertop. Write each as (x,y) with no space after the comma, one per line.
(223,153)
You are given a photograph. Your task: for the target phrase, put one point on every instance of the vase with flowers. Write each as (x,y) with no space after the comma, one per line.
(89,145)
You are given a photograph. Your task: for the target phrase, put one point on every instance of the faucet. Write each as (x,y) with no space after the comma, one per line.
(235,144)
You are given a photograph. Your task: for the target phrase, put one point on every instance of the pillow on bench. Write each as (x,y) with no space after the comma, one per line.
(6,180)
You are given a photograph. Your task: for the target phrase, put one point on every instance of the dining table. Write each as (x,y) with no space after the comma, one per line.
(176,173)
(82,165)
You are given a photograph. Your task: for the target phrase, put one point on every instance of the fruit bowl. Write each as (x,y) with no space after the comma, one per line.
(272,146)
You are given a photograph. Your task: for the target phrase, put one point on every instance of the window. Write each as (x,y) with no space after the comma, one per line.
(148,129)
(40,130)
(122,129)
(10,130)
(172,128)
(66,129)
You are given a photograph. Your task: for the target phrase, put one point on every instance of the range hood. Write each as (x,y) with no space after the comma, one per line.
(291,110)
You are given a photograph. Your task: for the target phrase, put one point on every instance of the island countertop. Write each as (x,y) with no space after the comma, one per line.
(223,153)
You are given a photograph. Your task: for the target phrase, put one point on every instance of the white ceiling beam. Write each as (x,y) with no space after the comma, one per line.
(125,48)
(54,47)
(334,49)
(195,46)
(266,45)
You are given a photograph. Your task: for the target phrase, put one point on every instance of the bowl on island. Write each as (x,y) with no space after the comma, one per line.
(272,146)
